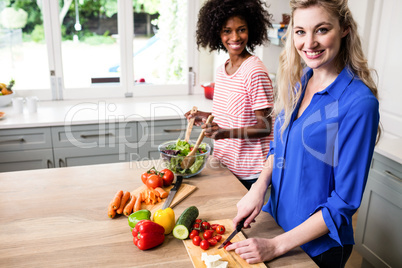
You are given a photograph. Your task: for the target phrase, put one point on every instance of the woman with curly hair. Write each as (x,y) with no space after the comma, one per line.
(325,133)
(243,95)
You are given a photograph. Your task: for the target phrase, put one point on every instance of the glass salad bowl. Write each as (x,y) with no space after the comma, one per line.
(173,153)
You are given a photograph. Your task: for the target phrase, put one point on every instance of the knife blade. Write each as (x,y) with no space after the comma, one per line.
(172,192)
(239,226)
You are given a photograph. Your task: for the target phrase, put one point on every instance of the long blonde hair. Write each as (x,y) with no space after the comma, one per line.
(290,69)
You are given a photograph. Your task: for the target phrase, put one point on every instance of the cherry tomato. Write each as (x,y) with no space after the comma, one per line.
(220,229)
(229,243)
(194,233)
(197,227)
(213,226)
(212,241)
(167,176)
(206,225)
(218,237)
(208,234)
(204,244)
(197,240)
(198,221)
(154,181)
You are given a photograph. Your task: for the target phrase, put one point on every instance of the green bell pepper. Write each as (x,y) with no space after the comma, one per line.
(134,218)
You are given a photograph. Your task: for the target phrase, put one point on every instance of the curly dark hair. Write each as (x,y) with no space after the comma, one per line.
(215,13)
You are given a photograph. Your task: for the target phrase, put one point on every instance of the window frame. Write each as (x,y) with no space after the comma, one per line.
(126,87)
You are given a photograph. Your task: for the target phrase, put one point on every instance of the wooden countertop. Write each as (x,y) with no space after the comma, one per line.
(58,217)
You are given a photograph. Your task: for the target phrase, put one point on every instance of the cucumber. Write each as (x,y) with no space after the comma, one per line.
(185,222)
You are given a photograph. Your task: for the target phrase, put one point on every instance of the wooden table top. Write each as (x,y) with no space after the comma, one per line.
(58,217)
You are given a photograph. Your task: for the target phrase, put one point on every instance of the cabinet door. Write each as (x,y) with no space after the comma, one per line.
(26,160)
(378,229)
(72,156)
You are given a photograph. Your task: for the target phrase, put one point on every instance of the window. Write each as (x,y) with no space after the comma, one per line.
(76,49)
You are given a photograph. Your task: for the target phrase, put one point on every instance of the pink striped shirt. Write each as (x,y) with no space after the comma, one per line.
(236,97)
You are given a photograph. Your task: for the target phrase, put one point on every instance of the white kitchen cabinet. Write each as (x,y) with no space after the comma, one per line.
(94,144)
(379,224)
(24,149)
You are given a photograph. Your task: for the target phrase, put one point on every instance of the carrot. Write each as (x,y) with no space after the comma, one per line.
(162,193)
(117,199)
(111,211)
(137,205)
(123,202)
(152,190)
(129,206)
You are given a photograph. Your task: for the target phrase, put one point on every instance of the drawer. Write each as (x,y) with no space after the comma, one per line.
(25,139)
(165,130)
(93,136)
(386,167)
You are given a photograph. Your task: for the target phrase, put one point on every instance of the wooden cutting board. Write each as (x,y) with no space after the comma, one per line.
(184,191)
(231,257)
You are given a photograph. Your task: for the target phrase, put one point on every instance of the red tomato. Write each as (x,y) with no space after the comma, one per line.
(212,241)
(229,243)
(154,181)
(197,240)
(213,226)
(167,176)
(208,234)
(204,244)
(218,237)
(198,220)
(197,226)
(220,229)
(206,225)
(144,177)
(194,233)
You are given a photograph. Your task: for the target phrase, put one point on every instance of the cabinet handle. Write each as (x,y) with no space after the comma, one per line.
(49,164)
(389,173)
(84,136)
(61,163)
(174,130)
(20,140)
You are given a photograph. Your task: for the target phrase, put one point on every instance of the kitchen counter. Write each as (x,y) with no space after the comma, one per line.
(390,148)
(76,112)
(58,217)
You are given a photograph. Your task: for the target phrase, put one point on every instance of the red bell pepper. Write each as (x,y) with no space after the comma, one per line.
(148,234)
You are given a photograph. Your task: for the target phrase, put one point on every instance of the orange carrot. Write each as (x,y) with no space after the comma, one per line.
(117,199)
(111,212)
(153,191)
(123,202)
(137,205)
(130,205)
(162,193)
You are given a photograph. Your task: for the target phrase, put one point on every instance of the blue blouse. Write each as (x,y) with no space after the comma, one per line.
(322,159)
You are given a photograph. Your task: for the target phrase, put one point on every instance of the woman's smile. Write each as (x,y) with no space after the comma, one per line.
(314,54)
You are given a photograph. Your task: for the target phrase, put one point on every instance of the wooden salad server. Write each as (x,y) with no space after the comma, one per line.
(190,125)
(189,160)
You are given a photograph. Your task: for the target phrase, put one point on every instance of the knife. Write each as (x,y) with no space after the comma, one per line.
(172,192)
(239,226)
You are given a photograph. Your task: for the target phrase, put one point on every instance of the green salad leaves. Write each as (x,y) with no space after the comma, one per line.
(176,153)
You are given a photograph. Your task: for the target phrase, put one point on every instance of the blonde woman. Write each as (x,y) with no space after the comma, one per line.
(324,138)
